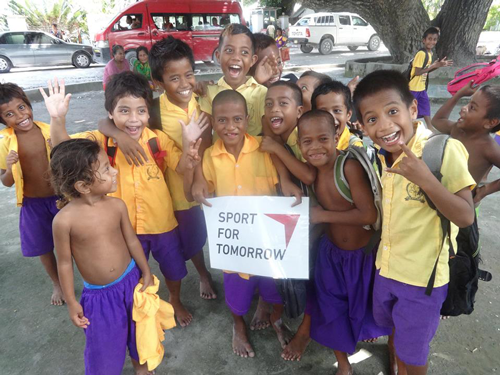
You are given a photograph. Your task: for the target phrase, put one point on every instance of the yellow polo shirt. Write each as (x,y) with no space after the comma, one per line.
(143,188)
(411,229)
(417,83)
(253,174)
(344,140)
(254,94)
(8,143)
(170,116)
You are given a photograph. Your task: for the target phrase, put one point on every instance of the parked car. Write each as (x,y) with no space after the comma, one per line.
(37,48)
(196,22)
(326,30)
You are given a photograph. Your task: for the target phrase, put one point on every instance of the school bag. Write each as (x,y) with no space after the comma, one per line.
(464,265)
(407,72)
(480,73)
(372,170)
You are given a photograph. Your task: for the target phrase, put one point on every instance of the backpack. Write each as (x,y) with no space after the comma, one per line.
(464,265)
(371,169)
(407,72)
(480,73)
(154,150)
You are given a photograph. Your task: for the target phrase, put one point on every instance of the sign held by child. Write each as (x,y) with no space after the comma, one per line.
(238,243)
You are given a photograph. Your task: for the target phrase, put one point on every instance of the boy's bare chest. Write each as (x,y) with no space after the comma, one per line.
(328,194)
(32,148)
(478,163)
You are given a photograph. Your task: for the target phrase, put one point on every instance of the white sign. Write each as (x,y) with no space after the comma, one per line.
(262,236)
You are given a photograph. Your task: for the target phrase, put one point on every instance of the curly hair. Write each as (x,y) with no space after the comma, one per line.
(10,91)
(72,161)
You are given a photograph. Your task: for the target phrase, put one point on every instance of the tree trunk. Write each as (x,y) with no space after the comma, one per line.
(401,24)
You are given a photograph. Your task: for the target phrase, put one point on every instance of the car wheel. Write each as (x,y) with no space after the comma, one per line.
(5,65)
(306,48)
(131,57)
(352,48)
(374,43)
(326,46)
(81,60)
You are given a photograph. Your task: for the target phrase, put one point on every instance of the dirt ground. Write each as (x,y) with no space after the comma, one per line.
(40,339)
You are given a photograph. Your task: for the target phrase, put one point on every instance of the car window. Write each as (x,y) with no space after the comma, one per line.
(344,20)
(357,21)
(13,38)
(332,20)
(303,22)
(213,21)
(171,22)
(45,39)
(128,22)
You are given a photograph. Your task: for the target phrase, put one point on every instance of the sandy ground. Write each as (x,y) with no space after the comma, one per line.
(40,339)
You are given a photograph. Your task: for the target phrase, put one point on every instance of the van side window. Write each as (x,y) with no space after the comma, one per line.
(213,21)
(171,22)
(357,21)
(128,22)
(344,20)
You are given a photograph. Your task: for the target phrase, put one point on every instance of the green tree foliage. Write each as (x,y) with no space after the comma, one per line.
(432,7)
(62,12)
(493,20)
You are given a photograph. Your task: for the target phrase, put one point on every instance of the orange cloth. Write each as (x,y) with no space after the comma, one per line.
(152,316)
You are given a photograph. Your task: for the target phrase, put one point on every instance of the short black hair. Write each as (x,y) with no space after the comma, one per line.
(139,49)
(296,91)
(116,48)
(316,114)
(378,81)
(322,78)
(335,87)
(492,92)
(167,50)
(10,91)
(229,96)
(431,31)
(236,29)
(263,41)
(126,84)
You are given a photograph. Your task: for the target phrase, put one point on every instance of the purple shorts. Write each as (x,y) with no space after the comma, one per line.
(111,330)
(239,292)
(342,314)
(35,225)
(166,250)
(413,314)
(192,231)
(423,106)
(497,138)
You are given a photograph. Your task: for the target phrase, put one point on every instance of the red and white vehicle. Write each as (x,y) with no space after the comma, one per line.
(196,22)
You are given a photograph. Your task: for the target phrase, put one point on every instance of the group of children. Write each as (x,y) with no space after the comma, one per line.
(138,182)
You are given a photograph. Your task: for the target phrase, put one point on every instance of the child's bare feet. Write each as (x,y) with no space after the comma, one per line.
(445,317)
(375,339)
(283,332)
(207,290)
(296,347)
(241,345)
(344,371)
(57,298)
(262,316)
(182,315)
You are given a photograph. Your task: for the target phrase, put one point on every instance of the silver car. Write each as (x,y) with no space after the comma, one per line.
(37,48)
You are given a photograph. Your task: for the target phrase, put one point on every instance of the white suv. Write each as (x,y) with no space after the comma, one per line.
(326,30)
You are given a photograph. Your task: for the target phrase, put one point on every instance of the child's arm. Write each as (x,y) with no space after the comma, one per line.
(6,174)
(131,149)
(57,104)
(61,230)
(441,119)
(458,207)
(194,189)
(363,212)
(435,65)
(134,246)
(303,171)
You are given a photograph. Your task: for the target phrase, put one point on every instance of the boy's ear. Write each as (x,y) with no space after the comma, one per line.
(491,123)
(349,115)
(110,115)
(82,187)
(255,58)
(158,83)
(413,108)
(300,111)
(217,55)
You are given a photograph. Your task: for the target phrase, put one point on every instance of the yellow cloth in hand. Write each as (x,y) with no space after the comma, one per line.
(152,316)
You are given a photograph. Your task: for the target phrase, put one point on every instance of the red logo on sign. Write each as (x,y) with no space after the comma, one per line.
(289,221)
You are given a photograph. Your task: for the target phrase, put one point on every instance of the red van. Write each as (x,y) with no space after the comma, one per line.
(196,22)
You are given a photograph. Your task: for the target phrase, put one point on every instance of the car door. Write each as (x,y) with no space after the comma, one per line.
(344,30)
(360,30)
(13,45)
(47,50)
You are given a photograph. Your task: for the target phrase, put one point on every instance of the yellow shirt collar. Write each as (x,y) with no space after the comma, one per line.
(249,82)
(169,106)
(250,144)
(293,138)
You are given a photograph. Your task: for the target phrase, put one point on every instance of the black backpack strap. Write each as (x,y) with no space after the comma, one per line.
(110,151)
(155,115)
(446,230)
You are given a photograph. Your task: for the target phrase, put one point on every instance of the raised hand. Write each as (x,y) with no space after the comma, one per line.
(352,84)
(443,62)
(412,168)
(193,156)
(195,128)
(11,159)
(266,69)
(468,90)
(57,102)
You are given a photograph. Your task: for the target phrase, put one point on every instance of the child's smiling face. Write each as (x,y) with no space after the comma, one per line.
(388,120)
(143,57)
(281,110)
(318,141)
(17,115)
(178,82)
(105,176)
(131,116)
(473,115)
(230,123)
(334,103)
(430,41)
(236,57)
